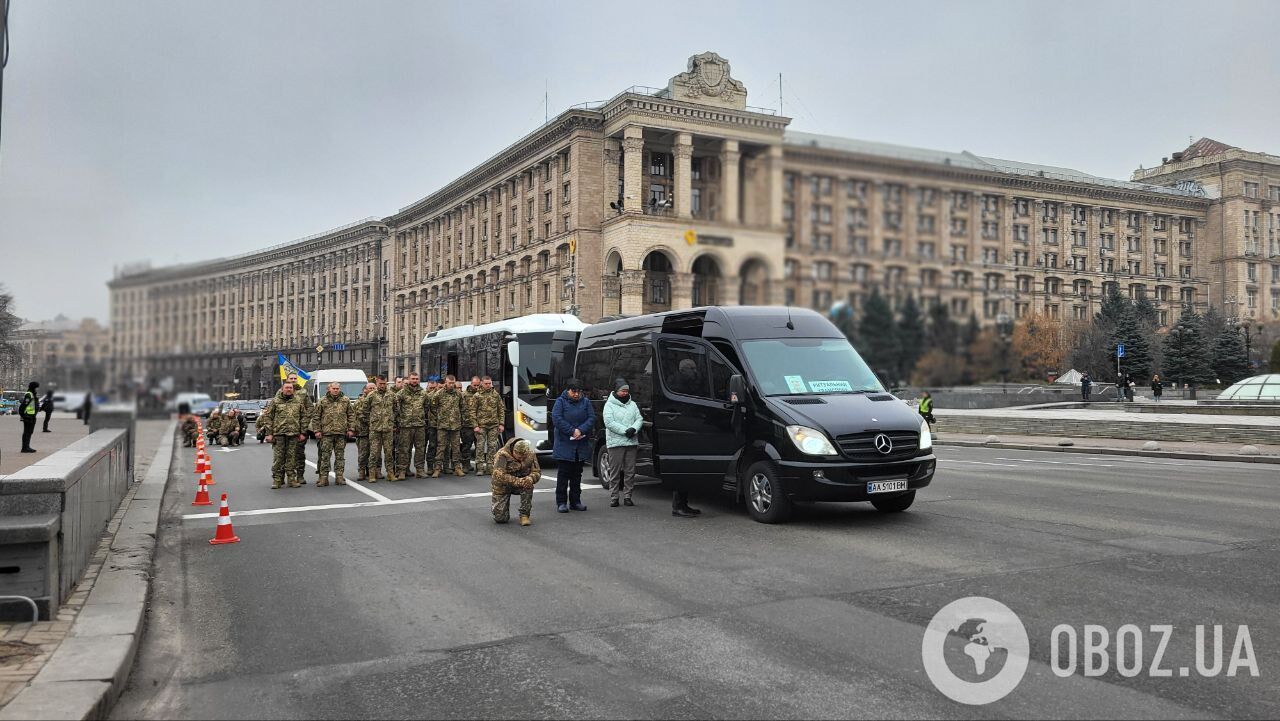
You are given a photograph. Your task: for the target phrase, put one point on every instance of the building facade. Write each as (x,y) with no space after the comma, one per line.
(685,195)
(61,354)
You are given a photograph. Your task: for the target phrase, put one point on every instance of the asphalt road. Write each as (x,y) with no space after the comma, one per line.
(426,608)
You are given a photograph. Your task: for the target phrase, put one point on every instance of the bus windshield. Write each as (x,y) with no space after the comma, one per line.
(534,372)
(808,366)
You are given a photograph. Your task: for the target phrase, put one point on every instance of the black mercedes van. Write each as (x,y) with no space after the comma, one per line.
(771,404)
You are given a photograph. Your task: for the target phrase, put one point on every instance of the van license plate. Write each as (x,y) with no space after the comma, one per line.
(886,486)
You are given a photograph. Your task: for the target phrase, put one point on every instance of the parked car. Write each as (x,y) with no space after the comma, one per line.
(248,409)
(191,399)
(9,402)
(203,408)
(69,401)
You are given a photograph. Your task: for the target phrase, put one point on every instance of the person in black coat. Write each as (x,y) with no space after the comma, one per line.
(46,405)
(1086,387)
(88,406)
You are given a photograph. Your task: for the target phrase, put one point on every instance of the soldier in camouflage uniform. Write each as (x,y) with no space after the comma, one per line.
(380,413)
(515,470)
(411,440)
(487,413)
(467,436)
(362,432)
(212,425)
(433,385)
(333,422)
(307,407)
(189,430)
(231,428)
(285,431)
(448,404)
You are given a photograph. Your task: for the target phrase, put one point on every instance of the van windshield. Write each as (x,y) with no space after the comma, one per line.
(808,366)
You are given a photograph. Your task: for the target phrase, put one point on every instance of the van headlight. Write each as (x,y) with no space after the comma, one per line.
(926,436)
(810,441)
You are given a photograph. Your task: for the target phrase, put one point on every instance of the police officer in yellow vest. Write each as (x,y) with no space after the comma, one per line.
(27,412)
(926,408)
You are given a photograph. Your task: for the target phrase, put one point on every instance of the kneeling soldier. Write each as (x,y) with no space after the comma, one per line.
(333,422)
(189,430)
(515,470)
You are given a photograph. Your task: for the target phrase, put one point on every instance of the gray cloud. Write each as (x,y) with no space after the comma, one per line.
(175,131)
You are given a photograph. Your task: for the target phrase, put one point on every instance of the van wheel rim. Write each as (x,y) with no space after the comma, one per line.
(761,493)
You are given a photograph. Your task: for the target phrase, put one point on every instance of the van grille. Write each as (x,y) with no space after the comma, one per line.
(862,447)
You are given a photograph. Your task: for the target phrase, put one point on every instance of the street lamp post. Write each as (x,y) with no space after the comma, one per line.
(1004,326)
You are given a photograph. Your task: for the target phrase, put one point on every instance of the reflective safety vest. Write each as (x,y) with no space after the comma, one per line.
(29,404)
(926,405)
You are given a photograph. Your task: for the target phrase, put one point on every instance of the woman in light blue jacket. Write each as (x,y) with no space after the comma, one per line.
(622,423)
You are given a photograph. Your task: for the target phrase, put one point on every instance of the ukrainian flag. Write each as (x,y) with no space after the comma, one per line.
(286,367)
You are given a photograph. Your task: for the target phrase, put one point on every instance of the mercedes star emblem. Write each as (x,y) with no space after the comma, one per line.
(883,444)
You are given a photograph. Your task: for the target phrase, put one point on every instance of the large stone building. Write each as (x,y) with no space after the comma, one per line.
(685,195)
(61,354)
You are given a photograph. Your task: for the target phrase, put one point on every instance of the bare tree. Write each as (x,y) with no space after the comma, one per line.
(8,325)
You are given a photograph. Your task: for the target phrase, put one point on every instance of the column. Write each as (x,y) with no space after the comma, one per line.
(632,284)
(681,290)
(612,157)
(683,150)
(729,156)
(632,168)
(775,186)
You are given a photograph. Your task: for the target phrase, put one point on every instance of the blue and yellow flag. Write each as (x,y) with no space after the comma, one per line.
(286,367)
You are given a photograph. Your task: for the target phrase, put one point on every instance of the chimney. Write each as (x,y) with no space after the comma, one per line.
(1164,160)
(1177,157)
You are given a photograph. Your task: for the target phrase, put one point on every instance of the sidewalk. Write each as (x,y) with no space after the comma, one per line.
(64,430)
(1167,449)
(26,648)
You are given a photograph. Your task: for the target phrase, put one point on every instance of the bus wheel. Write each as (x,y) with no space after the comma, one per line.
(766,500)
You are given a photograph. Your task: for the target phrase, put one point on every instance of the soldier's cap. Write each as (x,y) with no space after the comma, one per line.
(522,448)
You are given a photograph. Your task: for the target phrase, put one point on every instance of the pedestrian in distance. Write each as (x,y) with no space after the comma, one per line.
(27,414)
(333,422)
(1129,386)
(1086,387)
(487,414)
(46,405)
(574,419)
(926,408)
(622,424)
(286,428)
(1157,387)
(515,470)
(87,407)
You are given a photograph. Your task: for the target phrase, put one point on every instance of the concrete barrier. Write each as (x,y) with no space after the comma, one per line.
(56,511)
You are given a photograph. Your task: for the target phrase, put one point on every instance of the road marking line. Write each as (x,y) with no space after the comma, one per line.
(1056,463)
(356,485)
(977,463)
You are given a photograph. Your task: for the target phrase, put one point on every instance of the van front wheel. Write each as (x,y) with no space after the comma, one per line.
(767,501)
(894,504)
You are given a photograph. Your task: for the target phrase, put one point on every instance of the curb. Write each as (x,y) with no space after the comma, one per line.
(1177,455)
(86,674)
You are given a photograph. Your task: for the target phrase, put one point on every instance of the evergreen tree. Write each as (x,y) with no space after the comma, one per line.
(1114,308)
(942,333)
(1137,350)
(1275,357)
(1146,312)
(841,315)
(1212,323)
(1229,361)
(968,337)
(878,337)
(9,351)
(910,337)
(1186,351)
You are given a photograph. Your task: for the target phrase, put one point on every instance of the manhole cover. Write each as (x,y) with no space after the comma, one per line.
(16,652)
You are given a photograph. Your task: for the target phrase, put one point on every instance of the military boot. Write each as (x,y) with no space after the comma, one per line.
(457,471)
(436,473)
(276,483)
(524,521)
(340,481)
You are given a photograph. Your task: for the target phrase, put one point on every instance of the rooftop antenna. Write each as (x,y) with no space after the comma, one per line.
(779,93)
(790,325)
(546,100)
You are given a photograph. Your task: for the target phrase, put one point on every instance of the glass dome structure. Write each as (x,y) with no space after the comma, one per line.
(1256,388)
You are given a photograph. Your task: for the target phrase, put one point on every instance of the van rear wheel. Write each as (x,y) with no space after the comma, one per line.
(767,501)
(894,504)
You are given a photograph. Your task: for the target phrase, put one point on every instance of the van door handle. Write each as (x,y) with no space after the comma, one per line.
(670,414)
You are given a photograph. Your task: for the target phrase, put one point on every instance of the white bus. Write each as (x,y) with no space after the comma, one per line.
(517,354)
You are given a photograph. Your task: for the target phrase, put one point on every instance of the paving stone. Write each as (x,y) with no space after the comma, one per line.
(62,700)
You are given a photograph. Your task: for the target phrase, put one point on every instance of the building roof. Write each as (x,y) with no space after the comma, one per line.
(966,159)
(1205,147)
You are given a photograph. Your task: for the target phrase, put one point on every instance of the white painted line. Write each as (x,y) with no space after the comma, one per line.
(978,463)
(1057,463)
(358,486)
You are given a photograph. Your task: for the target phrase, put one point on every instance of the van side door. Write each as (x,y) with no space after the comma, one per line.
(695,437)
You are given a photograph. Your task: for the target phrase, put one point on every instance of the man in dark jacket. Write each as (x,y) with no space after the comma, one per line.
(46,407)
(27,412)
(574,420)
(1086,387)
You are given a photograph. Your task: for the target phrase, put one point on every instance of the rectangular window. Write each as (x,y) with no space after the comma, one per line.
(658,164)
(695,168)
(695,201)
(565,194)
(1250,190)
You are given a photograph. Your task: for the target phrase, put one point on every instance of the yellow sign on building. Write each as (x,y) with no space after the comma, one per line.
(690,237)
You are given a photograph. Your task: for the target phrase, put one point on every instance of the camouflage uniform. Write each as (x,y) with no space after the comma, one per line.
(380,413)
(512,475)
(286,419)
(212,425)
(189,430)
(412,438)
(362,438)
(449,408)
(467,435)
(231,430)
(307,408)
(433,424)
(332,421)
(487,414)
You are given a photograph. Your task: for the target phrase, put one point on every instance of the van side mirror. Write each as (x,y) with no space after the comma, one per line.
(513,352)
(737,390)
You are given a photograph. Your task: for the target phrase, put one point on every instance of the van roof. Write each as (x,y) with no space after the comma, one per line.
(742,322)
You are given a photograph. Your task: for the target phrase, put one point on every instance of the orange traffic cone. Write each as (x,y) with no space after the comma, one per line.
(225,533)
(202,461)
(208,476)
(202,496)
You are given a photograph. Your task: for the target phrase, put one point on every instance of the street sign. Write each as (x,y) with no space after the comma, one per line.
(1120,350)
(319,349)
(339,346)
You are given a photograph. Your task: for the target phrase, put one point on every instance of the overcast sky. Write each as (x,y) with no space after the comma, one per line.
(177,130)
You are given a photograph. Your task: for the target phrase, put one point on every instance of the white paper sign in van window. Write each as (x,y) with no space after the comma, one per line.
(795,384)
(829,386)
